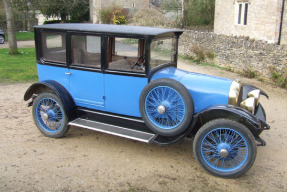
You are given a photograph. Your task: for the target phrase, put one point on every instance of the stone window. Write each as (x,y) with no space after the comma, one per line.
(242,12)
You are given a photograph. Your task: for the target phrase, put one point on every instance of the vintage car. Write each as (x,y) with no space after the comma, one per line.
(124,81)
(2,37)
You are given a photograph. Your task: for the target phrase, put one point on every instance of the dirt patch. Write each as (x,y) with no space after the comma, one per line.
(85,160)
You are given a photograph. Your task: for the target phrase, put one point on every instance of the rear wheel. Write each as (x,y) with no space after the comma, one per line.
(49,115)
(225,148)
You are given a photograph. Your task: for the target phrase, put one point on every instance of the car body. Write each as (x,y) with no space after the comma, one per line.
(124,80)
(2,37)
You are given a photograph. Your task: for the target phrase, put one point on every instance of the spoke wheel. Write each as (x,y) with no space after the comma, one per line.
(225,148)
(49,115)
(166,107)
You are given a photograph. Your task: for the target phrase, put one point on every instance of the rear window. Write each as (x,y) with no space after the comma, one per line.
(54,47)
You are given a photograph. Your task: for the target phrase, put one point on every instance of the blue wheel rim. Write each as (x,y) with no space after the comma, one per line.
(173,103)
(224,139)
(49,115)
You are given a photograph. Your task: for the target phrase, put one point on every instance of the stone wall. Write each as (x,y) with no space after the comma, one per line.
(263,19)
(240,54)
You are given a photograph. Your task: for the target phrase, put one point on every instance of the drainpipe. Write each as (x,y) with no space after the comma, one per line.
(281,21)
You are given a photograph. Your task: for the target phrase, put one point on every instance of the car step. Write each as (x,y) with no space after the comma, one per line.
(113,130)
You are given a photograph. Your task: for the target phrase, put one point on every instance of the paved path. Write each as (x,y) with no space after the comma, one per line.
(21,44)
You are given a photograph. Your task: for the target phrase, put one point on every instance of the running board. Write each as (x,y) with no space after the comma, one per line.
(113,130)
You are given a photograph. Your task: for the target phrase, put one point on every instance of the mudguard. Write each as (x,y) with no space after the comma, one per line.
(58,89)
(255,123)
(247,88)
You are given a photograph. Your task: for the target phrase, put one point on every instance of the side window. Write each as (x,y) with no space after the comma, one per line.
(163,51)
(86,50)
(54,47)
(126,54)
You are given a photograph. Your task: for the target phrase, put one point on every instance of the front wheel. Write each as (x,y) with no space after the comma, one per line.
(225,148)
(49,115)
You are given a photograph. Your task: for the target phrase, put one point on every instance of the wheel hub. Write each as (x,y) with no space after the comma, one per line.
(223,153)
(223,149)
(45,116)
(161,109)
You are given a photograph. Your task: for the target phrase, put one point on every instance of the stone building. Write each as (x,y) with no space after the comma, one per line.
(259,19)
(96,5)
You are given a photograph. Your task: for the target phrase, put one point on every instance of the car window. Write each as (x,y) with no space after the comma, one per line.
(86,50)
(54,47)
(126,54)
(162,51)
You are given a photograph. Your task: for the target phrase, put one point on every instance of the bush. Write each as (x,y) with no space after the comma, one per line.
(120,16)
(279,77)
(105,15)
(113,15)
(52,22)
(150,17)
(60,21)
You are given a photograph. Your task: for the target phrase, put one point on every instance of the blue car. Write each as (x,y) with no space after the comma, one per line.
(124,81)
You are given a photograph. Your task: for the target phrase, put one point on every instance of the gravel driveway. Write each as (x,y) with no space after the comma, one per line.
(85,160)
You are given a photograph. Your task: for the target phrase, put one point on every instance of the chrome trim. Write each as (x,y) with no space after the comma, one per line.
(249,104)
(161,109)
(234,92)
(255,94)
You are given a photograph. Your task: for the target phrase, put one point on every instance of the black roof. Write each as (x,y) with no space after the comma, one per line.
(115,29)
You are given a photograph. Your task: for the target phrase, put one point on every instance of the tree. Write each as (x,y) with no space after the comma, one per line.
(13,49)
(78,9)
(199,12)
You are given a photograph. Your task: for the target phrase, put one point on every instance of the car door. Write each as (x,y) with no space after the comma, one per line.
(123,81)
(86,77)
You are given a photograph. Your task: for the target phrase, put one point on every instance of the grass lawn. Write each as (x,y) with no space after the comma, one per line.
(18,68)
(22,36)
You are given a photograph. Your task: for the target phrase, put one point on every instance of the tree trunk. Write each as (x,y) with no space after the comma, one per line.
(11,27)
(183,12)
(63,17)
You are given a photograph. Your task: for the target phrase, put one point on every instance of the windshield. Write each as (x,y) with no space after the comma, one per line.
(163,51)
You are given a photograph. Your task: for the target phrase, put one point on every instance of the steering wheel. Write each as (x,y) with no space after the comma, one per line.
(138,62)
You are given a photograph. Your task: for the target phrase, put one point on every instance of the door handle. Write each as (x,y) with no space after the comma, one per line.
(69,73)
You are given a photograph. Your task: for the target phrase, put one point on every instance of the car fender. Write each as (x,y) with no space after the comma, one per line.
(247,88)
(238,114)
(58,89)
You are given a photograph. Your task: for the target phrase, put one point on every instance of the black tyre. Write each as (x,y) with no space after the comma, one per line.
(2,39)
(49,115)
(225,148)
(166,107)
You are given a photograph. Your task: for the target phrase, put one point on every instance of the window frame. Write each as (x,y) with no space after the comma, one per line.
(41,37)
(242,13)
(83,66)
(122,72)
(104,56)
(175,56)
